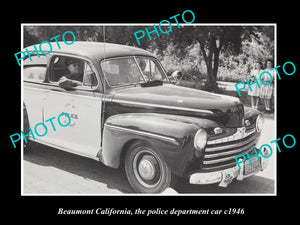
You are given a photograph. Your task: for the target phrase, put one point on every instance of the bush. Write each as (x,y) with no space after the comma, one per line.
(233,75)
(232,68)
(194,71)
(190,65)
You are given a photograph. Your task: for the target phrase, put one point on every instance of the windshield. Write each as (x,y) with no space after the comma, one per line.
(123,71)
(151,69)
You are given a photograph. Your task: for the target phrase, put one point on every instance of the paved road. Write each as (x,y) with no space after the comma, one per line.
(50,171)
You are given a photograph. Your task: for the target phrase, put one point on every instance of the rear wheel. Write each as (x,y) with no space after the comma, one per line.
(146,169)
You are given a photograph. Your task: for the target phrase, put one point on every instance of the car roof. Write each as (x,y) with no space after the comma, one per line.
(93,50)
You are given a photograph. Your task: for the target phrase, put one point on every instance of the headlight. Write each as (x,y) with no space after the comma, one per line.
(200,139)
(259,123)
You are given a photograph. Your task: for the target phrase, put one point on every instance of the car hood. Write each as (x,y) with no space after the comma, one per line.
(177,100)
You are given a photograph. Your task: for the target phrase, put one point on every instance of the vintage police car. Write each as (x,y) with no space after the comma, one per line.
(128,113)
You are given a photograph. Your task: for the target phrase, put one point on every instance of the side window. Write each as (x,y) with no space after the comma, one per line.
(89,76)
(72,68)
(35,69)
(63,66)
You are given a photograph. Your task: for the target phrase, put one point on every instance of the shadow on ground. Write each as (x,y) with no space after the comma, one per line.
(80,166)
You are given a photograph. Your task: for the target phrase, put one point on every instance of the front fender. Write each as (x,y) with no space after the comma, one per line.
(251,114)
(172,135)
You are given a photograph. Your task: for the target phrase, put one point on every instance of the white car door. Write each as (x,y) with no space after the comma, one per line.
(84,106)
(34,91)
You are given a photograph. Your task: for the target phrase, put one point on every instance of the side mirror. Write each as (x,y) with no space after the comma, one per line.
(177,74)
(175,77)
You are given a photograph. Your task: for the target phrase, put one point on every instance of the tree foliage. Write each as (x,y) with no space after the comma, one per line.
(220,49)
(231,40)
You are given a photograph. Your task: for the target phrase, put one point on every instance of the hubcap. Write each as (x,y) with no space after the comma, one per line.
(146,169)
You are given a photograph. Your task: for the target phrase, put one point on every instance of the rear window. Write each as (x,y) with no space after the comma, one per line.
(35,73)
(35,60)
(35,69)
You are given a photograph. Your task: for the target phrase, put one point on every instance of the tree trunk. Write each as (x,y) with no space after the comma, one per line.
(216,62)
(215,43)
(211,84)
(212,61)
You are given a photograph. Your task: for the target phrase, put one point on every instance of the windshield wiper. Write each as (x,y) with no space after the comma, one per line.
(152,83)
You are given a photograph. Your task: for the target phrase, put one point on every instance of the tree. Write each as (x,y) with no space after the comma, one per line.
(213,40)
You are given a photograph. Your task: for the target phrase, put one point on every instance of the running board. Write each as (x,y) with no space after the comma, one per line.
(98,157)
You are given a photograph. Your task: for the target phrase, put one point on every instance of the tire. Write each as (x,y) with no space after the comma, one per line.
(146,169)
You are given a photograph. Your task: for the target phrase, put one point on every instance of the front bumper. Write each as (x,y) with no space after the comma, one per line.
(225,177)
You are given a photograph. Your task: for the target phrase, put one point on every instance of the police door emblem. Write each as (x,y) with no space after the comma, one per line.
(71,110)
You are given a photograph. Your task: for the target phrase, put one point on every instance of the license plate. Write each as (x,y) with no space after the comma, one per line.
(250,168)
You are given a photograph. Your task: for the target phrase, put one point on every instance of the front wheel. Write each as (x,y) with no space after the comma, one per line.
(146,169)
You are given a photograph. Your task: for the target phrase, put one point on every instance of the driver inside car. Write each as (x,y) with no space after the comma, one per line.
(74,77)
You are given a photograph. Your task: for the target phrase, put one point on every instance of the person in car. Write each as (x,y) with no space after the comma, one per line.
(74,77)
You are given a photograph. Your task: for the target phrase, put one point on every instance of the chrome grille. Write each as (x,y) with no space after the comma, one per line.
(220,154)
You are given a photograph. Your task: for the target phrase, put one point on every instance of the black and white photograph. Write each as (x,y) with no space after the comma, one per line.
(132,112)
(177,113)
